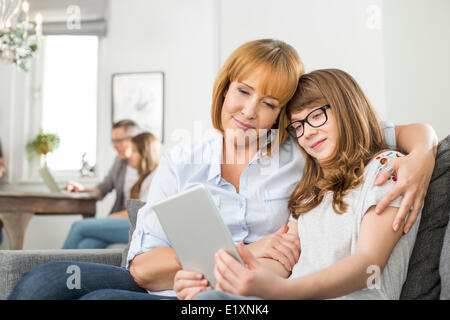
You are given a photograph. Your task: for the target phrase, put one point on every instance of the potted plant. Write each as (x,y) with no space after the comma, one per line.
(42,144)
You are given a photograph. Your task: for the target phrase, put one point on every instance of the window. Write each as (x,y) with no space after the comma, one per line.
(69,99)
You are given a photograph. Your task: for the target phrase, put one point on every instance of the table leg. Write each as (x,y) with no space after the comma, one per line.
(15,225)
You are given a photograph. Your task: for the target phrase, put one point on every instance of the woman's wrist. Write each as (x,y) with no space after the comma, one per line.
(425,157)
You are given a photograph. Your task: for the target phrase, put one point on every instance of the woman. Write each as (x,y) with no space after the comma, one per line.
(347,250)
(250,92)
(94,233)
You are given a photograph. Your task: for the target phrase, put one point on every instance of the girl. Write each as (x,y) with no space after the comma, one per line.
(91,233)
(347,251)
(145,156)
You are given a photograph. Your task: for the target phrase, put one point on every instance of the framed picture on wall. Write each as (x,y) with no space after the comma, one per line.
(140,97)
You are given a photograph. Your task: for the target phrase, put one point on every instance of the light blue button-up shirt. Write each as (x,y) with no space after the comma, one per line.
(258,210)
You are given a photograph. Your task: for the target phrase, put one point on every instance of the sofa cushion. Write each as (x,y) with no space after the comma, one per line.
(14,263)
(423,280)
(133,207)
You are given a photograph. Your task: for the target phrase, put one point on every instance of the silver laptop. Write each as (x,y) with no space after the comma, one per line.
(49,180)
(195,230)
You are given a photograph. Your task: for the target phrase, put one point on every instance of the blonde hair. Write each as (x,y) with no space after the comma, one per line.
(281,68)
(149,148)
(360,139)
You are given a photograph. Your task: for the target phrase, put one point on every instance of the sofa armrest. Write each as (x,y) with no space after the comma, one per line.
(14,263)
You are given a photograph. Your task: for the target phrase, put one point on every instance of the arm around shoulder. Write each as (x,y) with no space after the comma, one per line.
(417,136)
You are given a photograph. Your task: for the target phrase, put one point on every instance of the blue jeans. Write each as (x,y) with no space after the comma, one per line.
(219,295)
(71,280)
(97,233)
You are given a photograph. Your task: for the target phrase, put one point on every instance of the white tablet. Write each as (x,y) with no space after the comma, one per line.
(195,230)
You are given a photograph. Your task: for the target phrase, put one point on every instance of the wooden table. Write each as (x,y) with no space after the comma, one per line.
(17,208)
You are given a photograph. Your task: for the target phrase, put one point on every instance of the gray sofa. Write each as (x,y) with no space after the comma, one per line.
(429,268)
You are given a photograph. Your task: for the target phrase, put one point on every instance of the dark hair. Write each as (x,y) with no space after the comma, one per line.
(130,127)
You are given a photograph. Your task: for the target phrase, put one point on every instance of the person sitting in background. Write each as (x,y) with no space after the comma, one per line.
(90,233)
(121,176)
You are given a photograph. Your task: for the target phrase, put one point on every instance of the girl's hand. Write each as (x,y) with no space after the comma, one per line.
(281,246)
(252,280)
(187,284)
(413,177)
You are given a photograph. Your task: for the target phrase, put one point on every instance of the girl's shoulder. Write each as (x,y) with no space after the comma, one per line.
(368,194)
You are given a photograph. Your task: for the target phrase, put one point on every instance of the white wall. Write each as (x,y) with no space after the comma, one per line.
(176,37)
(326,33)
(417,62)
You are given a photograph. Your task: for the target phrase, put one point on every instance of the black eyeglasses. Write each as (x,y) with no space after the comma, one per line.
(315,119)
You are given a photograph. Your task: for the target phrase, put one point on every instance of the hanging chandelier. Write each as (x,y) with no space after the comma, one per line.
(18,35)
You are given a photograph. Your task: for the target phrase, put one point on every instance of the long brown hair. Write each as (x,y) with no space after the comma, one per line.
(360,139)
(281,67)
(149,148)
